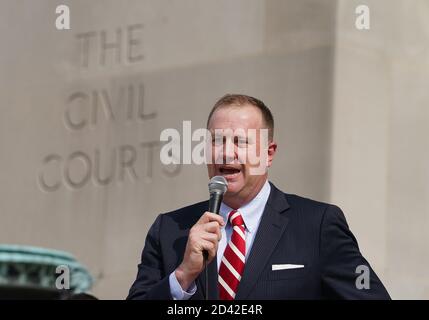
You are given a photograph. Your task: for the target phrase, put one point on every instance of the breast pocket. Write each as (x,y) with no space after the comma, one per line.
(288,272)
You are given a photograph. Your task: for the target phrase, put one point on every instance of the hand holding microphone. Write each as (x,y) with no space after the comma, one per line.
(203,237)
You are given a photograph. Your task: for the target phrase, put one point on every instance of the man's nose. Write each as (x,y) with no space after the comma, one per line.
(229,152)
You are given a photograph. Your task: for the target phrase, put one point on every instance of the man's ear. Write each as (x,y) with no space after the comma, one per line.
(272,148)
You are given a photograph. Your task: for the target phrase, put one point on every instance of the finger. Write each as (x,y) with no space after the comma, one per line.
(212,237)
(207,245)
(210,247)
(210,216)
(213,227)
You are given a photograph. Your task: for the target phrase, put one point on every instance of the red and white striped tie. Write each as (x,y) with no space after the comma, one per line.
(232,265)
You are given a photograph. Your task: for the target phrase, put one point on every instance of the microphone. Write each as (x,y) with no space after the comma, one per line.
(217,188)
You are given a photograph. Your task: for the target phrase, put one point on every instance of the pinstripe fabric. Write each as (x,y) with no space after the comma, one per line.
(232,265)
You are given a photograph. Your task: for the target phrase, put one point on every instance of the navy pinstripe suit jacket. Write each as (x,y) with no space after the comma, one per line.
(293,230)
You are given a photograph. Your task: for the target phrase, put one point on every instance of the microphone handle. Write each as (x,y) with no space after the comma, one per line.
(215,201)
(214,206)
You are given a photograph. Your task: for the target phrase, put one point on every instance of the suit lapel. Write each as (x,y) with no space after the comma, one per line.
(273,224)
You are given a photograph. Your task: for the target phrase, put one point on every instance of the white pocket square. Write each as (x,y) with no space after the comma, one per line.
(276,267)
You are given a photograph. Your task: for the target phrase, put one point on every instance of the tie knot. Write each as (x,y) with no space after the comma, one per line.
(235,218)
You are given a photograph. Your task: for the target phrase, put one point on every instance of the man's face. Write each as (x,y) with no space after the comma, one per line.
(232,151)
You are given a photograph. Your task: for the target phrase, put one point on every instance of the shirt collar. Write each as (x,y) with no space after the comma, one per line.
(251,211)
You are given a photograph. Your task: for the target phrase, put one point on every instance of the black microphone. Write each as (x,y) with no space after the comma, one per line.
(217,188)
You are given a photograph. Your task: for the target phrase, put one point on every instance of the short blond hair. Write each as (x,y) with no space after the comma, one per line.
(242,100)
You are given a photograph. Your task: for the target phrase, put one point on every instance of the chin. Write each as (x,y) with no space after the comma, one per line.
(233,187)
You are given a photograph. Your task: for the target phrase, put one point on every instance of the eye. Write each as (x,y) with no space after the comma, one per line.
(218,140)
(241,141)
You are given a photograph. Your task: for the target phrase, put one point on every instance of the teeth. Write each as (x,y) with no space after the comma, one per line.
(229,171)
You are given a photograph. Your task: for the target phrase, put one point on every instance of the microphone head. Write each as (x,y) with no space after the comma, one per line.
(218,184)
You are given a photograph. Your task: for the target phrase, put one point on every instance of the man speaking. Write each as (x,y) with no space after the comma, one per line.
(263,244)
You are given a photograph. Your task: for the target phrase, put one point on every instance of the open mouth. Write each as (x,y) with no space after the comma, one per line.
(229,171)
